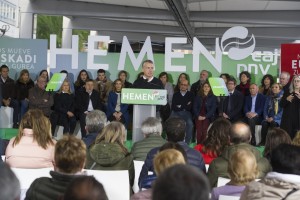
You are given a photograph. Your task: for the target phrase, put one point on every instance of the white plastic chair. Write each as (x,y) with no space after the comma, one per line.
(225,197)
(137,170)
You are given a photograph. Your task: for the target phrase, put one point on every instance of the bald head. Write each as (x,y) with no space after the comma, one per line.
(240,133)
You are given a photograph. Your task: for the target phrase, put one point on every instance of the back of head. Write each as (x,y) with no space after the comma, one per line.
(276,136)
(167,158)
(296,139)
(85,188)
(70,155)
(114,132)
(10,185)
(285,159)
(95,121)
(242,167)
(181,182)
(151,125)
(175,129)
(176,146)
(239,133)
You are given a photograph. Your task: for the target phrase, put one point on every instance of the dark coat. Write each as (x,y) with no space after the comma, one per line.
(237,102)
(290,120)
(8,88)
(210,106)
(111,107)
(22,89)
(142,83)
(82,101)
(259,104)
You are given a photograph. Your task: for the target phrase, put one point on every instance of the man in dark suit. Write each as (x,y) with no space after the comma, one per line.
(232,105)
(198,84)
(85,101)
(253,109)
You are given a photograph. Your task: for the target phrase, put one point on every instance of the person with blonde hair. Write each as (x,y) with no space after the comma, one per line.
(242,169)
(33,147)
(162,160)
(109,152)
(64,109)
(69,160)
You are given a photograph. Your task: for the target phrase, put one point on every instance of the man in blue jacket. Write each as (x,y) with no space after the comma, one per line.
(175,130)
(253,109)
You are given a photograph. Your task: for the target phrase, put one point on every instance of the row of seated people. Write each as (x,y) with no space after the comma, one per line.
(239,161)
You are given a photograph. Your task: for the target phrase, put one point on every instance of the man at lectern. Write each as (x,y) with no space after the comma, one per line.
(148,81)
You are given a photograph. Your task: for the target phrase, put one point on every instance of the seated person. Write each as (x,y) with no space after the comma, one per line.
(69,159)
(10,186)
(239,136)
(109,152)
(163,160)
(95,122)
(152,129)
(283,182)
(117,111)
(216,141)
(33,147)
(39,98)
(181,182)
(64,109)
(175,131)
(9,94)
(85,188)
(86,100)
(242,169)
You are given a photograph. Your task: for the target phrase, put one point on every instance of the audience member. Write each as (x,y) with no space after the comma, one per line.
(69,159)
(204,109)
(240,136)
(44,73)
(104,86)
(152,129)
(162,160)
(231,107)
(123,75)
(272,111)
(39,98)
(95,122)
(10,186)
(284,80)
(117,111)
(9,94)
(199,84)
(253,109)
(86,100)
(23,84)
(33,147)
(148,81)
(182,106)
(283,182)
(109,152)
(225,77)
(81,79)
(266,83)
(275,137)
(290,103)
(242,169)
(245,79)
(181,182)
(85,188)
(217,139)
(175,131)
(72,89)
(64,109)
(181,77)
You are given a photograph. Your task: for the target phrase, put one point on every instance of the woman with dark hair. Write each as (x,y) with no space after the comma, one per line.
(266,84)
(165,110)
(204,108)
(225,77)
(117,111)
(275,137)
(290,103)
(243,87)
(23,84)
(272,111)
(217,139)
(122,75)
(182,76)
(44,73)
(81,78)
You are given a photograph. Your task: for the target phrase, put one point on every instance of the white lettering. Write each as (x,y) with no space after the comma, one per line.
(169,54)
(96,52)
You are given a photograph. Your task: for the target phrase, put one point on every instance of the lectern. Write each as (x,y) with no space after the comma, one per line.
(144,105)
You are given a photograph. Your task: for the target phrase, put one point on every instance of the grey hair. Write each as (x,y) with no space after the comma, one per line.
(95,121)
(10,186)
(288,75)
(151,125)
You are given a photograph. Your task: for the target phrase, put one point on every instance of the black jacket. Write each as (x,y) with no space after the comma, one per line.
(82,101)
